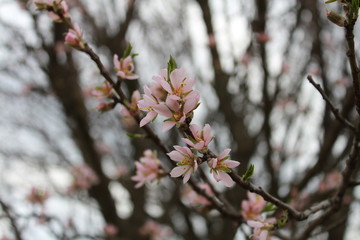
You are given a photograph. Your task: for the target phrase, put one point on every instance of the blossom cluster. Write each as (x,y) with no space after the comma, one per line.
(83,178)
(37,196)
(155,231)
(148,169)
(253,211)
(179,102)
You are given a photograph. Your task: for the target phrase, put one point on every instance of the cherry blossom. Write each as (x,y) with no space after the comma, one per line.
(84,178)
(194,199)
(74,36)
(37,196)
(220,166)
(125,68)
(155,231)
(261,228)
(110,229)
(186,161)
(251,209)
(147,169)
(202,137)
(103,91)
(148,103)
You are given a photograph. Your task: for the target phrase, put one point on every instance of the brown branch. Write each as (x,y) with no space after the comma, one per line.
(333,109)
(12,220)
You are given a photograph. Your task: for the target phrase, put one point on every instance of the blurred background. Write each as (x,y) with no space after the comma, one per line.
(250,59)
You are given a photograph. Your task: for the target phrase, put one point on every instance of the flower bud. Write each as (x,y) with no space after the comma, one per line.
(336,18)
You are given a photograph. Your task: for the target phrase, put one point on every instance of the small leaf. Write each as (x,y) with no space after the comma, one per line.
(281,222)
(269,207)
(171,66)
(135,135)
(249,172)
(127,51)
(330,1)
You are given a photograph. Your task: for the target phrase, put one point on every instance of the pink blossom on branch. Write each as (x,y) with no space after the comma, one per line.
(186,161)
(148,169)
(74,36)
(194,199)
(220,166)
(252,208)
(83,178)
(103,91)
(110,230)
(37,196)
(124,68)
(261,228)
(202,137)
(155,231)
(148,103)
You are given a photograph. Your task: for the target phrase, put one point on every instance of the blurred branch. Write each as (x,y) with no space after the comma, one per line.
(12,220)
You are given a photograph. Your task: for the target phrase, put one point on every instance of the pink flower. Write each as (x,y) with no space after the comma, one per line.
(186,161)
(148,103)
(155,231)
(74,36)
(251,209)
(132,105)
(63,7)
(261,228)
(105,106)
(147,169)
(220,166)
(125,68)
(177,104)
(193,198)
(262,37)
(330,182)
(37,196)
(202,137)
(178,86)
(84,178)
(175,111)
(104,91)
(110,229)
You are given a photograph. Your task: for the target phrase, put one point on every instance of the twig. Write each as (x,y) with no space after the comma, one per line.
(333,109)
(13,223)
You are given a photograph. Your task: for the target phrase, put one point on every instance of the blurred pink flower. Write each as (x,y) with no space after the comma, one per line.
(83,178)
(74,36)
(147,169)
(110,229)
(202,137)
(125,68)
(105,106)
(261,229)
(155,231)
(263,37)
(132,105)
(186,161)
(103,91)
(331,181)
(220,166)
(63,7)
(37,196)
(212,41)
(251,209)
(194,199)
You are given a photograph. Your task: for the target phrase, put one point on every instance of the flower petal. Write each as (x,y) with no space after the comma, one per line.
(226,179)
(178,171)
(148,118)
(167,125)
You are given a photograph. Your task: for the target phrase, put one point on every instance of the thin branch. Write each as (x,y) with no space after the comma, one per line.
(333,109)
(12,219)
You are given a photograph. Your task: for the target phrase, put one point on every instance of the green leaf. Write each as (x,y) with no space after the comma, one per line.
(249,172)
(269,207)
(127,51)
(330,1)
(281,222)
(135,135)
(171,66)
